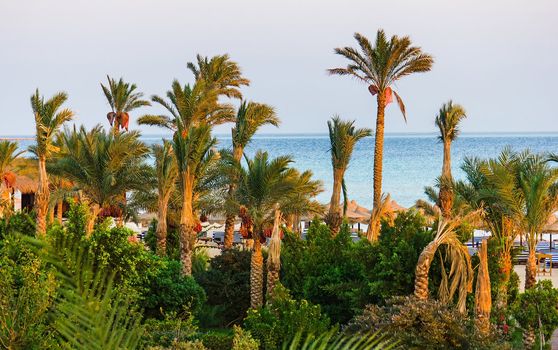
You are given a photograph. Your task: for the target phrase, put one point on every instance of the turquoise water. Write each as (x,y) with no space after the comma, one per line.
(411,161)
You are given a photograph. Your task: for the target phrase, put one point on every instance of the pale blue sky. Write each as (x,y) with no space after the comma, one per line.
(497,58)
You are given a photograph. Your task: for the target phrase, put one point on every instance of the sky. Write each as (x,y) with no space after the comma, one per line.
(496,58)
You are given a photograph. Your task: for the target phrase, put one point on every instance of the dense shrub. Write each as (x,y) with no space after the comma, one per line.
(217,339)
(27,292)
(169,291)
(173,240)
(343,276)
(423,324)
(20,222)
(243,340)
(227,285)
(538,308)
(282,318)
(173,328)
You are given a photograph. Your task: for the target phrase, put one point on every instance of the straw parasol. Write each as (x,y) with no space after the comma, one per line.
(551,227)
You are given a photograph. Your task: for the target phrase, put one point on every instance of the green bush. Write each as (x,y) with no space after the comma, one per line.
(173,240)
(227,285)
(243,340)
(217,339)
(169,291)
(27,293)
(538,306)
(282,318)
(424,324)
(20,222)
(172,328)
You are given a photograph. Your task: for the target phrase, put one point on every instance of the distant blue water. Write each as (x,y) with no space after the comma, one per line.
(411,161)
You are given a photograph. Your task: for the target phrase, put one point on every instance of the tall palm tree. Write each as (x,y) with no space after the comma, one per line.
(250,116)
(102,166)
(537,185)
(49,117)
(274,254)
(483,299)
(191,147)
(167,173)
(122,98)
(461,272)
(447,121)
(343,137)
(263,183)
(379,66)
(9,155)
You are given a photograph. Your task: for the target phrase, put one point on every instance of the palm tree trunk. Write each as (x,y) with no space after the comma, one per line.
(59,209)
(94,212)
(290,222)
(161,231)
(256,275)
(422,270)
(378,157)
(41,198)
(187,222)
(50,215)
(334,215)
(229,221)
(274,255)
(445,197)
(483,301)
(531,268)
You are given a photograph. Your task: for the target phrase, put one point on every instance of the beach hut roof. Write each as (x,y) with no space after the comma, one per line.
(552,228)
(25,184)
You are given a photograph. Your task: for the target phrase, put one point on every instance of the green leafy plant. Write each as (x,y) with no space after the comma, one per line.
(243,340)
(333,340)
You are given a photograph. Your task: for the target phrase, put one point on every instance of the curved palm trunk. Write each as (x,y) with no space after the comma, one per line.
(483,301)
(161,231)
(187,223)
(378,159)
(229,221)
(256,275)
(334,215)
(41,198)
(531,267)
(422,270)
(445,197)
(274,256)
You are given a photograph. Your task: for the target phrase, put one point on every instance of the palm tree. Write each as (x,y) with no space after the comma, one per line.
(49,117)
(380,66)
(343,137)
(536,182)
(9,156)
(274,254)
(490,187)
(263,184)
(447,121)
(249,118)
(102,166)
(301,200)
(461,270)
(192,147)
(167,173)
(122,98)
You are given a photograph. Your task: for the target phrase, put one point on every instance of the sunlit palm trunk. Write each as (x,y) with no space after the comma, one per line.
(483,300)
(334,215)
(378,159)
(94,211)
(161,232)
(422,270)
(187,223)
(274,256)
(446,191)
(531,266)
(41,198)
(59,209)
(229,221)
(256,275)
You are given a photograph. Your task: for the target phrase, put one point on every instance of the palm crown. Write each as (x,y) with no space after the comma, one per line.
(249,118)
(343,137)
(448,119)
(122,96)
(382,64)
(49,116)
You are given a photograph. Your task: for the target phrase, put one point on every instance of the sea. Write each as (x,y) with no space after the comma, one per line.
(411,161)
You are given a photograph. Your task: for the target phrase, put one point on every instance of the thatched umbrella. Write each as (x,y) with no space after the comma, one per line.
(551,227)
